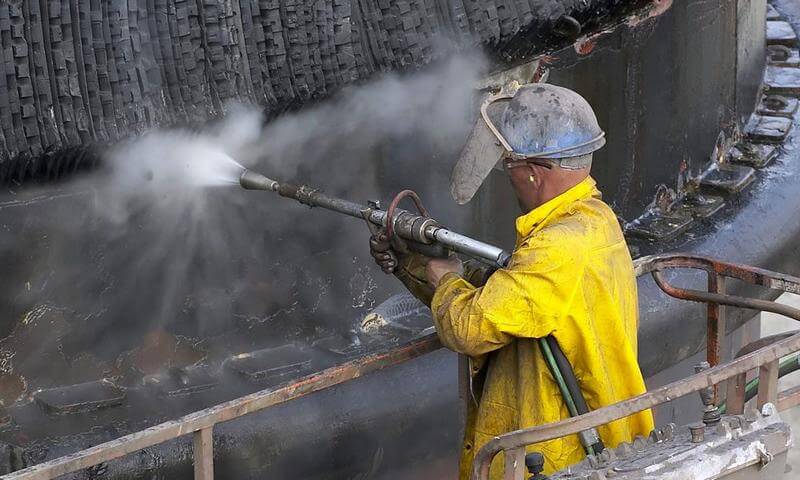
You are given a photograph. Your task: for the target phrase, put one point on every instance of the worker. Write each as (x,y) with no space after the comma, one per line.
(570,277)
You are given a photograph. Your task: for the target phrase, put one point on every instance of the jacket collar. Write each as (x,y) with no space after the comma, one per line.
(528,223)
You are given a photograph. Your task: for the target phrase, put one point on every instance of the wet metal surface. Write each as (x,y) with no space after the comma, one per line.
(160,350)
(80,398)
(727,178)
(780,32)
(698,205)
(659,226)
(782,56)
(181,381)
(754,155)
(772,14)
(402,311)
(782,80)
(270,362)
(777,105)
(761,128)
(340,345)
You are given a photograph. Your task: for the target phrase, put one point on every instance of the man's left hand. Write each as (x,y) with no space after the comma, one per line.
(439,267)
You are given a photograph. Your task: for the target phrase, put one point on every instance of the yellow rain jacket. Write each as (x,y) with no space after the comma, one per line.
(570,276)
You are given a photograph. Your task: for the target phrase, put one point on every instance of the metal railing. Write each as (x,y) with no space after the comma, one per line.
(200,424)
(765,359)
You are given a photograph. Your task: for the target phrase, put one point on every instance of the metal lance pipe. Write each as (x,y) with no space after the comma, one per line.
(409,226)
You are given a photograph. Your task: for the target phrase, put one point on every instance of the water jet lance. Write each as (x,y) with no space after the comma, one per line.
(424,235)
(421,233)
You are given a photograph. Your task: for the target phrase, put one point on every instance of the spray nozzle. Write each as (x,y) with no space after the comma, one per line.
(250,180)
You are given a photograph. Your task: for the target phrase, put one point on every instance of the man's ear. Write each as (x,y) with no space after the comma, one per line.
(533,169)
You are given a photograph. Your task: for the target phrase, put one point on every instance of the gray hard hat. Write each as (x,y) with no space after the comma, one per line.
(531,121)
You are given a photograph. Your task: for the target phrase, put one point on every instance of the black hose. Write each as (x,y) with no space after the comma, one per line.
(563,365)
(569,375)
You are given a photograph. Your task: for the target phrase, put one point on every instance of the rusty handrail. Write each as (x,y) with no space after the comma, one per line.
(201,422)
(748,274)
(729,300)
(654,265)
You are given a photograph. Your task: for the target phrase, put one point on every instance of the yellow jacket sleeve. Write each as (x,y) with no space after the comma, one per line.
(526,299)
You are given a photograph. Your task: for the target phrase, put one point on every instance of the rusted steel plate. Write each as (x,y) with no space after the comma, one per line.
(227,411)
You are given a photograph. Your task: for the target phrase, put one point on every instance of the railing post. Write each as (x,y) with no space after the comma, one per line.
(203,447)
(768,383)
(734,399)
(715,325)
(514,464)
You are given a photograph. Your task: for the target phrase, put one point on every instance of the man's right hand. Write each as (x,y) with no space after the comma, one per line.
(381,250)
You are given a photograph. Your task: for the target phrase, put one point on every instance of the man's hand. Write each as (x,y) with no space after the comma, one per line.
(381,250)
(439,267)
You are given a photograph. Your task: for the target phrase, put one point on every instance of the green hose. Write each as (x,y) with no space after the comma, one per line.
(791,364)
(562,385)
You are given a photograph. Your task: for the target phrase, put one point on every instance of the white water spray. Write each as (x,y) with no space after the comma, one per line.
(170,171)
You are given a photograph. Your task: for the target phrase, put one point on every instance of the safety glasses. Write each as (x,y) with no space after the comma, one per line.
(510,164)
